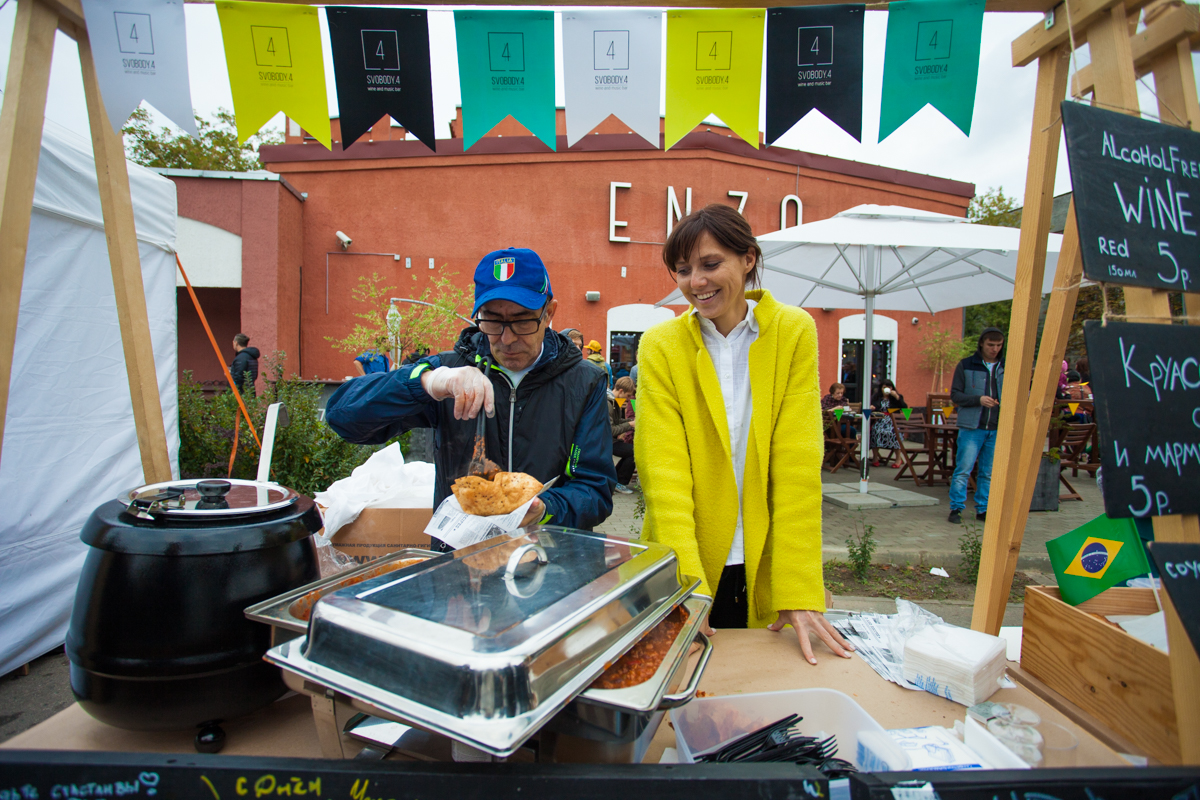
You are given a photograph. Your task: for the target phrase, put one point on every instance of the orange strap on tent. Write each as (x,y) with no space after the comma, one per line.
(233,453)
(217,350)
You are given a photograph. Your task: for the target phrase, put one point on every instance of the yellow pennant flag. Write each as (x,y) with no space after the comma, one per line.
(714,66)
(273,53)
(1074,408)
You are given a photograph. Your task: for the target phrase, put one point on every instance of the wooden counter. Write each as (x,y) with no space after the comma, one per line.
(744,661)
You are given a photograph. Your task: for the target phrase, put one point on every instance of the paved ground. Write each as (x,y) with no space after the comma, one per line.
(920,534)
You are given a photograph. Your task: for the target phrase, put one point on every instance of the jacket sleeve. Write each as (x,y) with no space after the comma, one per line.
(958,388)
(617,417)
(585,500)
(797,451)
(377,407)
(664,466)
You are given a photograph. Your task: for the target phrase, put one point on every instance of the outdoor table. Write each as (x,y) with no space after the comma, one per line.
(743,661)
(942,442)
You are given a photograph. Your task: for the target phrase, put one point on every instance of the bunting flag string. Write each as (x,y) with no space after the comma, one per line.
(612,64)
(931,57)
(381,68)
(506,67)
(140,52)
(907,413)
(837,413)
(815,61)
(273,52)
(714,66)
(1074,408)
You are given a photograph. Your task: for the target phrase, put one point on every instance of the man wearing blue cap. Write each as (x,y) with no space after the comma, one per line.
(547,408)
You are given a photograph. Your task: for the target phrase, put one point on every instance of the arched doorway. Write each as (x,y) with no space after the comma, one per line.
(851,337)
(626,324)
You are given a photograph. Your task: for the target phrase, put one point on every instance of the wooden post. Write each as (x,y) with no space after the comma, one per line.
(1115,86)
(20,145)
(119,230)
(1008,507)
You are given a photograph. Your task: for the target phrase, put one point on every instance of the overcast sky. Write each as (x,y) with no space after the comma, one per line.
(994,155)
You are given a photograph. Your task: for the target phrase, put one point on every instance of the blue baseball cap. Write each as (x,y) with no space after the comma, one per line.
(515,274)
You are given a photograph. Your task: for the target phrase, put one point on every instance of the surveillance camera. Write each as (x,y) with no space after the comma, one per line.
(915,320)
(344,239)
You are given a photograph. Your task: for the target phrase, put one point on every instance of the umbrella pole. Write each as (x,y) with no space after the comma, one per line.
(864,380)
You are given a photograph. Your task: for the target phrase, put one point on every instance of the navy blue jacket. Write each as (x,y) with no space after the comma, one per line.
(554,424)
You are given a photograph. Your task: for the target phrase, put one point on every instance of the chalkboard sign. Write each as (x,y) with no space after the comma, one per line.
(1146,380)
(1179,568)
(1137,198)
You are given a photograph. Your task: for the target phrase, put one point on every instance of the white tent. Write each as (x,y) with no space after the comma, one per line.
(69,437)
(891,258)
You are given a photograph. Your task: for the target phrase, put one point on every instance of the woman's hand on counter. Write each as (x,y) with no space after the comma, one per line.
(806,622)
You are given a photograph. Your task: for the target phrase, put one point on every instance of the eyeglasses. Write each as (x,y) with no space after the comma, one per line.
(520,327)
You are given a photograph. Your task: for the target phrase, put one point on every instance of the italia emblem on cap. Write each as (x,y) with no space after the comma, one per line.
(504,268)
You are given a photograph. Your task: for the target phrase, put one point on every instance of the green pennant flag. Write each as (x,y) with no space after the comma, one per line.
(506,66)
(908,413)
(931,56)
(837,414)
(1096,556)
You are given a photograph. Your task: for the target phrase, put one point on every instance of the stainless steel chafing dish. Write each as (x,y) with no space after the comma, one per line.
(288,614)
(487,644)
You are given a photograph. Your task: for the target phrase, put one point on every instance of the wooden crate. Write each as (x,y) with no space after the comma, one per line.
(1122,681)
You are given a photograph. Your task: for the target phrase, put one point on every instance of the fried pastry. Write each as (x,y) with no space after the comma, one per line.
(487,498)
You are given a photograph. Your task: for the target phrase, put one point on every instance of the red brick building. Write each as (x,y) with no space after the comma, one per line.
(597,213)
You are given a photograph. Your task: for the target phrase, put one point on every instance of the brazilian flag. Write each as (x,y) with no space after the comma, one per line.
(1095,557)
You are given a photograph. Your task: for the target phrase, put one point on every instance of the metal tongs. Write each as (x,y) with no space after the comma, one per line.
(480,464)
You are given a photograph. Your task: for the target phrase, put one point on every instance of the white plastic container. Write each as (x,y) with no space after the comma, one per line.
(707,722)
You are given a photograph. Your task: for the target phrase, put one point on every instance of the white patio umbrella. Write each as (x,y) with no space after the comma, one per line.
(891,258)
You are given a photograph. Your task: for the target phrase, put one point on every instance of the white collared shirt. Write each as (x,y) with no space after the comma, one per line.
(731,357)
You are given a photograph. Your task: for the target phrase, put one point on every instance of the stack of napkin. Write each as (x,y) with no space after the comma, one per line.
(956,663)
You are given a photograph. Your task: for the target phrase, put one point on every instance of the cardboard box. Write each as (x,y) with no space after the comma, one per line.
(1118,679)
(379,531)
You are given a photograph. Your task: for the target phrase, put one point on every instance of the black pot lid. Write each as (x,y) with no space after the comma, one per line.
(209,498)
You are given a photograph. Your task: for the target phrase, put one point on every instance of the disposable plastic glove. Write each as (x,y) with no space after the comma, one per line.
(467,385)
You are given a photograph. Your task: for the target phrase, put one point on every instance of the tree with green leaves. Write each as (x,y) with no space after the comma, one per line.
(216,149)
(941,350)
(994,207)
(428,325)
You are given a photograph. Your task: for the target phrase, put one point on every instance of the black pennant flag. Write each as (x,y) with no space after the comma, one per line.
(815,60)
(381,66)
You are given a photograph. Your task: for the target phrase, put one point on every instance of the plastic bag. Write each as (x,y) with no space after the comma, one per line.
(956,663)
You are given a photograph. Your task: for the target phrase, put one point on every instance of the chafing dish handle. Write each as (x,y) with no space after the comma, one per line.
(514,560)
(678,699)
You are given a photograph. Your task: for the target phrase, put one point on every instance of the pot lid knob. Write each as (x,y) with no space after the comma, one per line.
(212,494)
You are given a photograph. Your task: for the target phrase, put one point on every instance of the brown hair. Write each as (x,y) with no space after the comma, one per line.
(729,228)
(625,384)
(835,386)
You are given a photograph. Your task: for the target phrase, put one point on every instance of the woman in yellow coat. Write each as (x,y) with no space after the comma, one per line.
(729,442)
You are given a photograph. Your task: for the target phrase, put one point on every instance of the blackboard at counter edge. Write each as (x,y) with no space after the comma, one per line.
(213,777)
(1184,592)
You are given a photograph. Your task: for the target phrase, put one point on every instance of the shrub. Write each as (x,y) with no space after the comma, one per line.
(861,547)
(970,544)
(308,456)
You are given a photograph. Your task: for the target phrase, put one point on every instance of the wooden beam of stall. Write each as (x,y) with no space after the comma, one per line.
(1115,88)
(123,257)
(1179,27)
(1001,529)
(1039,40)
(1060,313)
(20,145)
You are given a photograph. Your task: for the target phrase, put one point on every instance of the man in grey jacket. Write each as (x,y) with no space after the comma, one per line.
(975,391)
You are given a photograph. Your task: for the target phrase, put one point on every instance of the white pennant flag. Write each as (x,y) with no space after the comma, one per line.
(140,50)
(612,64)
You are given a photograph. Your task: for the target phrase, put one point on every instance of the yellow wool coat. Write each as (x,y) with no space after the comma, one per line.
(685,465)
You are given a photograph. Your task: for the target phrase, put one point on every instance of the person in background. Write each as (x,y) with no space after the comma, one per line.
(883,431)
(575,336)
(633,374)
(975,390)
(621,416)
(1076,392)
(837,399)
(730,442)
(547,414)
(1084,369)
(245,362)
(594,355)
(372,361)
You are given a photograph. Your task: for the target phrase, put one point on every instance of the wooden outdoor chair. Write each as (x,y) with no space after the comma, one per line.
(1073,447)
(935,403)
(841,450)
(916,457)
